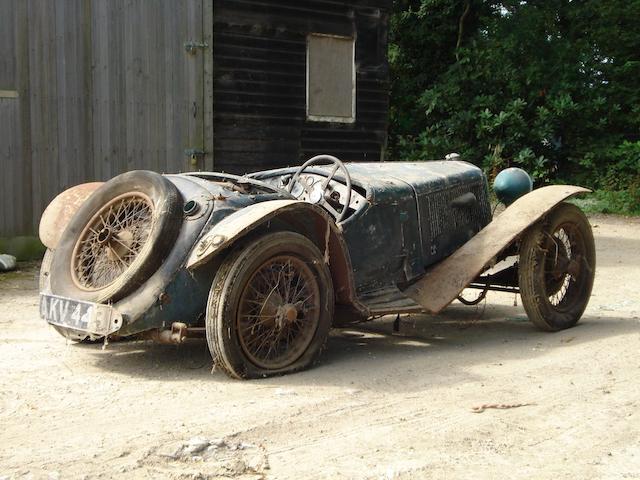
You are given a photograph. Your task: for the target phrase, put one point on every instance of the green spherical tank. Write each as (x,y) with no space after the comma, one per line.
(512,183)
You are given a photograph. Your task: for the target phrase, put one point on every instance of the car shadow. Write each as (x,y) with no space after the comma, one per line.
(146,359)
(371,355)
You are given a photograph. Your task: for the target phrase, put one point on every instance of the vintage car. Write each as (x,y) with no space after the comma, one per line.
(265,264)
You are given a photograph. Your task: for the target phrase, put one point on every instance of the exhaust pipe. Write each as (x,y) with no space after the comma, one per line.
(176,335)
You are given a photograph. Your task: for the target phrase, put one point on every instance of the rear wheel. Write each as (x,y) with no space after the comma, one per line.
(556,268)
(270,307)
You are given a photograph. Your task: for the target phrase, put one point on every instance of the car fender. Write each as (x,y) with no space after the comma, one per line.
(443,282)
(56,216)
(236,225)
(301,216)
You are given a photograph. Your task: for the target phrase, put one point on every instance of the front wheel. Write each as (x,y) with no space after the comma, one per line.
(270,307)
(556,268)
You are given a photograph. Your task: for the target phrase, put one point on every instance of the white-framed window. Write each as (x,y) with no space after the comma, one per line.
(331,78)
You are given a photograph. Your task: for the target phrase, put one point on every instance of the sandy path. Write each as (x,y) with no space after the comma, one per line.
(380,405)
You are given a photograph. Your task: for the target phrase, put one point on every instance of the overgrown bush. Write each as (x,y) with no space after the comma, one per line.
(553,87)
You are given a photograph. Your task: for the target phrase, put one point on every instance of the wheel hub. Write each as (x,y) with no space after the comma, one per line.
(286,314)
(104,235)
(118,245)
(573,268)
(111,241)
(279,312)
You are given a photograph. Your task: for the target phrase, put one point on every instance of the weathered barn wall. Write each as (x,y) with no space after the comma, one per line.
(93,88)
(103,86)
(260,82)
(15,168)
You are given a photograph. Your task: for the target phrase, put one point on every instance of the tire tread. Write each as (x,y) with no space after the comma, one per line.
(229,274)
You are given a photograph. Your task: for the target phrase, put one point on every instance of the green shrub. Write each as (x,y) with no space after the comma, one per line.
(551,87)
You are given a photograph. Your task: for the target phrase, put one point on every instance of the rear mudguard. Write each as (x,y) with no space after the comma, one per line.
(57,215)
(444,282)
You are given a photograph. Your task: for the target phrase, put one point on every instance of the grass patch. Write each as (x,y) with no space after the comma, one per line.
(604,201)
(23,248)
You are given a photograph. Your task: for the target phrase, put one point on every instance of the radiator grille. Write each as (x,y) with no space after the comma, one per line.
(445,228)
(443,218)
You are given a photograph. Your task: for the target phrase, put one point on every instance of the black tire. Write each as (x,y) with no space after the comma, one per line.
(138,213)
(556,268)
(45,270)
(244,310)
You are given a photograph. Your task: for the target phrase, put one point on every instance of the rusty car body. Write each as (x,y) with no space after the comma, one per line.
(265,264)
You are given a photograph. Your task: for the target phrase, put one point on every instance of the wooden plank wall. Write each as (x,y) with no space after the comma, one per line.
(105,87)
(146,89)
(58,116)
(15,182)
(260,82)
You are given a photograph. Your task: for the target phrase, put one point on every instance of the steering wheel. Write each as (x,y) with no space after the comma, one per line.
(317,195)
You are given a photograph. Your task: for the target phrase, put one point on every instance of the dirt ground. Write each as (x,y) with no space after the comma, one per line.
(380,405)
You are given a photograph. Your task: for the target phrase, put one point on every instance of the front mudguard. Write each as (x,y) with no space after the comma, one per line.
(444,282)
(236,225)
(302,217)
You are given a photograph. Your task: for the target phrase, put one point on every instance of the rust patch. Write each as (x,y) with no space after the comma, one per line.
(234,226)
(59,212)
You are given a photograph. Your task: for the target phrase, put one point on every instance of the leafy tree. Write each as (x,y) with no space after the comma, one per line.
(552,86)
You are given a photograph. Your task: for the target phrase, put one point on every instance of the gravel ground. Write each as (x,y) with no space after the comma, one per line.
(380,405)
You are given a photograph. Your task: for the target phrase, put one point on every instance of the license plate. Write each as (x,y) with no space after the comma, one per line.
(87,317)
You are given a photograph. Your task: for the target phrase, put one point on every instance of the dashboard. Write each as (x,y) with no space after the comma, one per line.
(310,188)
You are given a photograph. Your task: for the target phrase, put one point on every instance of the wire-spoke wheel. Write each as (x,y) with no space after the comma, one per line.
(270,307)
(279,312)
(118,238)
(556,268)
(112,240)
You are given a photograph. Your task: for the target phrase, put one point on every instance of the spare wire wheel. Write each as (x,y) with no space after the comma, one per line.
(112,240)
